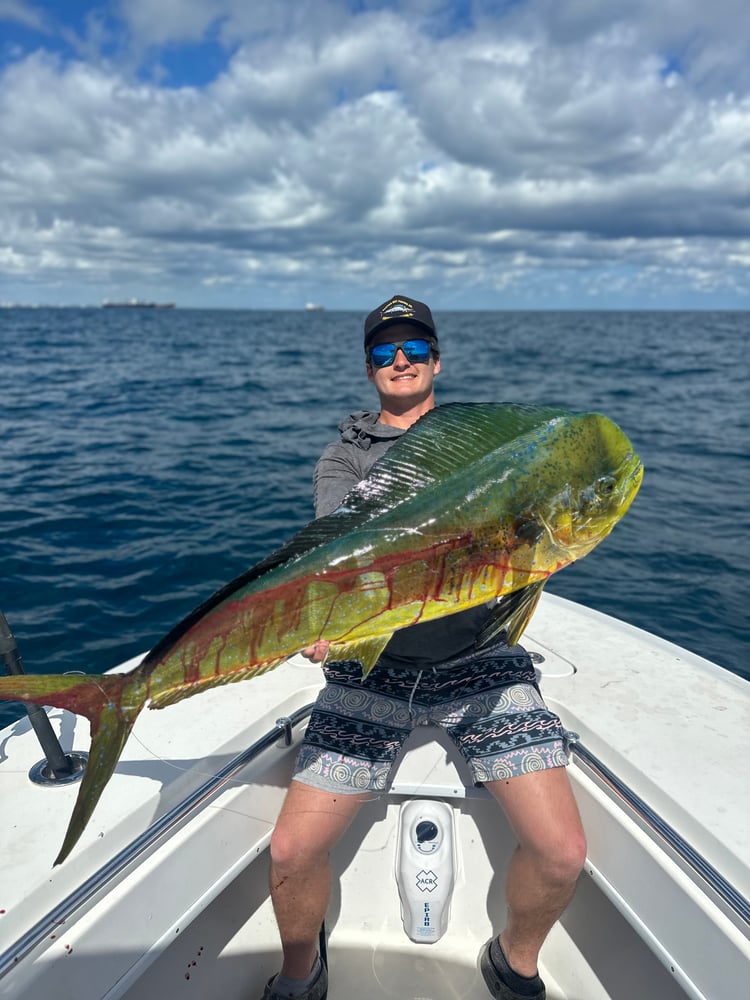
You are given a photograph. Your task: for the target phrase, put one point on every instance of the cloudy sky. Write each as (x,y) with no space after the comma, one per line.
(267,153)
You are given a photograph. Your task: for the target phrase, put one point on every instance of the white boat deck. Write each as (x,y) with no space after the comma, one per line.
(191,911)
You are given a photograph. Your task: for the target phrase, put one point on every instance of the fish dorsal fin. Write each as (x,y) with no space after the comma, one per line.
(442,442)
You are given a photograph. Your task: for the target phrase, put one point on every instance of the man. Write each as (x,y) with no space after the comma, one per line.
(424,672)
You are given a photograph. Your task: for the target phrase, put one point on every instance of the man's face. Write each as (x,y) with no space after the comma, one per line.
(403,379)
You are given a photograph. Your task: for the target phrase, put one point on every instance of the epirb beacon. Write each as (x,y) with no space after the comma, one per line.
(425,868)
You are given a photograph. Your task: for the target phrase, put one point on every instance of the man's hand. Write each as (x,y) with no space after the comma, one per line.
(317,652)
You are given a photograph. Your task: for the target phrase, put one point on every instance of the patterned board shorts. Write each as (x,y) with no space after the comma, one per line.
(488,703)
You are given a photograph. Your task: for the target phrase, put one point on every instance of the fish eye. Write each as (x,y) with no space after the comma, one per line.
(605,486)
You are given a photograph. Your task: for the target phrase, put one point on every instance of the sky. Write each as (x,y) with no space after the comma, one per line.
(513,154)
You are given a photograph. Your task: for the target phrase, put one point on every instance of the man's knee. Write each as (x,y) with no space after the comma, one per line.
(570,855)
(563,856)
(295,846)
(310,824)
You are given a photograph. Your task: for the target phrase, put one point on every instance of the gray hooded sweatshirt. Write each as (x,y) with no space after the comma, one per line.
(343,464)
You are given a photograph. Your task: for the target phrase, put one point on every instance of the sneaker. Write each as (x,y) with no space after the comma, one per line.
(318,990)
(496,971)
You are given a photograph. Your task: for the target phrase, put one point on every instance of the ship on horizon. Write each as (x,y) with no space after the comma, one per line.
(136,304)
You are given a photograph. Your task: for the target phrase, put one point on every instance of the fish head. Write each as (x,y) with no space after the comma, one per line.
(598,473)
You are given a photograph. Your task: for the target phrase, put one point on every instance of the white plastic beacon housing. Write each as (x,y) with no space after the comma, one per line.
(425,867)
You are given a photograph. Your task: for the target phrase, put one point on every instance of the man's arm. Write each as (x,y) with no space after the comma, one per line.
(335,474)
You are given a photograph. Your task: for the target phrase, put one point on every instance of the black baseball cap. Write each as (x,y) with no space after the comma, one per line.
(399,309)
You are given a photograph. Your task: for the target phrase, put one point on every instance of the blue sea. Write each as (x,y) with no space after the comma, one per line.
(149,456)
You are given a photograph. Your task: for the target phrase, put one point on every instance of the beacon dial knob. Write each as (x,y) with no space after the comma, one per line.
(426,833)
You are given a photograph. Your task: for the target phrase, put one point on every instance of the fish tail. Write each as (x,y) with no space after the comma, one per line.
(111,703)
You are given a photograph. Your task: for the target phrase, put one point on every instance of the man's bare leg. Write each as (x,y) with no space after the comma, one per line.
(309,825)
(545,866)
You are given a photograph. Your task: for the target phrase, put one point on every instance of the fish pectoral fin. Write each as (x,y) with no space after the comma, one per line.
(512,614)
(366,651)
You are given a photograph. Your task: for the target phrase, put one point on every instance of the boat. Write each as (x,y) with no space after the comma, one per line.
(136,304)
(313,307)
(166,892)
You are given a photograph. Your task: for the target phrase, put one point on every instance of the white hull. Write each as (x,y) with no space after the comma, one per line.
(189,911)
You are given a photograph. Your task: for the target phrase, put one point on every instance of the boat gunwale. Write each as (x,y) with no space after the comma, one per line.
(664,834)
(93,886)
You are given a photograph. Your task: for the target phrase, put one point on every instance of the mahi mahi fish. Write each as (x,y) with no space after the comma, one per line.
(475,502)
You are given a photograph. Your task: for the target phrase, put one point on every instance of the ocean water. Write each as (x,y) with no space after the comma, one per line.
(150,456)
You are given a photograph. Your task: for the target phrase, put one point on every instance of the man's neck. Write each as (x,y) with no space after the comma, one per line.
(396,417)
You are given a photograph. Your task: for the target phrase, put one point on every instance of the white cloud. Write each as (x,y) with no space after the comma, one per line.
(20,12)
(346,152)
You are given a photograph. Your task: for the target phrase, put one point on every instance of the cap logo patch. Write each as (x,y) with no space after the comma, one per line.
(396,308)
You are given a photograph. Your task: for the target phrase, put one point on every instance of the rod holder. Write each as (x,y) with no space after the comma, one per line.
(58,767)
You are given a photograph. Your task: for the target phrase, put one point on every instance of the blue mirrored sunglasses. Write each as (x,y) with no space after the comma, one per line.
(415,351)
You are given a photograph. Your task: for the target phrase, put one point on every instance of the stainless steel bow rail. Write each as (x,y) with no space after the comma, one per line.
(57,767)
(96,884)
(726,892)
